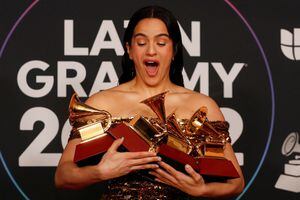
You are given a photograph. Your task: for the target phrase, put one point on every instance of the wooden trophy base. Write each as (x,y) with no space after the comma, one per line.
(90,153)
(215,168)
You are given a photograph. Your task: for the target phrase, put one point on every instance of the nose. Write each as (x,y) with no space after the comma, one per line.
(151,51)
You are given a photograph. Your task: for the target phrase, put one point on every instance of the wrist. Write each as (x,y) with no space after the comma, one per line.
(99,174)
(201,191)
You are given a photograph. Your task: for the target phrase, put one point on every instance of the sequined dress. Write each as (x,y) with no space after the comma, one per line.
(137,186)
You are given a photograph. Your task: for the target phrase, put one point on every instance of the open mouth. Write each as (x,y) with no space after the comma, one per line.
(151,67)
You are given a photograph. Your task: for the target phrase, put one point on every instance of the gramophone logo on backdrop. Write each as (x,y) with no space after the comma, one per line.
(290,43)
(290,179)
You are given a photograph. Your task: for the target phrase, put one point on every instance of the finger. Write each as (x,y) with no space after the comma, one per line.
(164,181)
(197,177)
(161,179)
(115,145)
(179,176)
(146,166)
(165,175)
(141,161)
(169,169)
(137,155)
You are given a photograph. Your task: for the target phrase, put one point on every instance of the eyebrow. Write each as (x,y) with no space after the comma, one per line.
(159,35)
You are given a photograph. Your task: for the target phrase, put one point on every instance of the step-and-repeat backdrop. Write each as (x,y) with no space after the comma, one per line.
(244,54)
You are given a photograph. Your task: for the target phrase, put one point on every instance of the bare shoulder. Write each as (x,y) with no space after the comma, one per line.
(106,99)
(196,100)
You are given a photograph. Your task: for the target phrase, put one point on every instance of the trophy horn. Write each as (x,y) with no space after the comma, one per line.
(157,105)
(199,125)
(211,142)
(81,114)
(174,127)
(291,144)
(176,137)
(197,120)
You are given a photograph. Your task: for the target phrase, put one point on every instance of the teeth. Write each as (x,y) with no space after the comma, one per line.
(151,63)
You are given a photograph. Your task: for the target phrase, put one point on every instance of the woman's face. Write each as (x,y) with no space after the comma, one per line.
(151,50)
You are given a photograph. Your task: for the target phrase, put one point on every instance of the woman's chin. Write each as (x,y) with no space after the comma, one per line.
(153,81)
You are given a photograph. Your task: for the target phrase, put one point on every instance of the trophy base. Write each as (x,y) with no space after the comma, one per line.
(132,141)
(288,183)
(211,168)
(90,152)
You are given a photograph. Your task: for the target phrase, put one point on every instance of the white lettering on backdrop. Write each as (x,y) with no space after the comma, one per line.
(33,155)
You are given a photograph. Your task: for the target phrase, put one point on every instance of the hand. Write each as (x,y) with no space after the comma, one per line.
(192,184)
(115,164)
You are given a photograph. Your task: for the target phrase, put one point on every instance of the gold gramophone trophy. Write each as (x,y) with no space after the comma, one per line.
(196,143)
(91,124)
(152,133)
(206,144)
(141,134)
(97,133)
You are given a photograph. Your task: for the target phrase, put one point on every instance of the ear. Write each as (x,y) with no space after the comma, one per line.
(128,50)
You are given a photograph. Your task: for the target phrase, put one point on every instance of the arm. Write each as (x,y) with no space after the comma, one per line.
(69,175)
(193,183)
(113,164)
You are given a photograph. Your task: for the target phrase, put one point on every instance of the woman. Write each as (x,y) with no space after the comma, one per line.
(151,64)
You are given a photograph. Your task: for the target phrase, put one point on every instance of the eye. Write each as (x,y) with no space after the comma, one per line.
(161,43)
(141,43)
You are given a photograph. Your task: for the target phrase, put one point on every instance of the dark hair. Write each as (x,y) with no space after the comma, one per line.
(173,29)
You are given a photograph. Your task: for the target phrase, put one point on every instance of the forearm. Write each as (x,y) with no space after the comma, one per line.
(226,189)
(69,176)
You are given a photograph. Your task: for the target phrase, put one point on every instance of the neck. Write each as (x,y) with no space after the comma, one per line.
(146,90)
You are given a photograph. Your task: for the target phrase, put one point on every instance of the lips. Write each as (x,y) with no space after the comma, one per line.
(151,66)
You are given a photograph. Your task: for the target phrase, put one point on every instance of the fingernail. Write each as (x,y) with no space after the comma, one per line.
(159,158)
(188,166)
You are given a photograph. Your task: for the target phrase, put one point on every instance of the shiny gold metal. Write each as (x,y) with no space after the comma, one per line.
(209,141)
(168,127)
(197,120)
(88,121)
(179,144)
(146,131)
(177,138)
(143,128)
(157,105)
(174,128)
